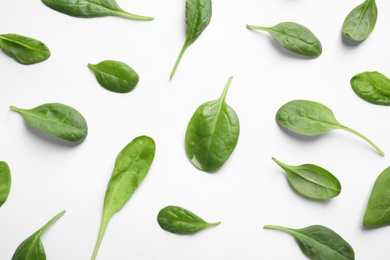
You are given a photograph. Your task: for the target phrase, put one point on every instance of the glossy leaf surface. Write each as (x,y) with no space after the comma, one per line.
(178,220)
(311,118)
(294,37)
(311,180)
(32,248)
(24,50)
(56,119)
(361,21)
(373,87)
(319,242)
(198,16)
(131,166)
(115,76)
(5,182)
(212,134)
(378,209)
(92,8)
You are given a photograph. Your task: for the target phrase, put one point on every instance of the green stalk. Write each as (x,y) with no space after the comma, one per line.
(225,90)
(254,27)
(365,138)
(125,14)
(103,227)
(183,49)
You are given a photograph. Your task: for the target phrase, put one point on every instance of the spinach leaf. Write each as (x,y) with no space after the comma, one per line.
(319,242)
(373,87)
(131,166)
(56,119)
(198,16)
(377,213)
(32,248)
(92,8)
(311,118)
(115,76)
(360,22)
(294,37)
(5,182)
(311,180)
(212,134)
(24,50)
(181,221)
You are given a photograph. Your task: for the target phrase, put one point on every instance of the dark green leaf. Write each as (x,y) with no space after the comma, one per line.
(91,8)
(115,76)
(198,16)
(131,166)
(311,118)
(312,181)
(23,49)
(319,242)
(32,248)
(212,134)
(373,87)
(181,221)
(294,37)
(56,119)
(361,21)
(378,208)
(5,182)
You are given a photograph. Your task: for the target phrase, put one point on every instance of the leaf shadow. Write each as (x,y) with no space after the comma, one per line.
(304,138)
(349,42)
(50,138)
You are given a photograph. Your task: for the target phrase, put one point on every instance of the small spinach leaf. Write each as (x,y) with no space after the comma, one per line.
(5,182)
(131,166)
(311,180)
(56,119)
(212,134)
(360,22)
(32,248)
(115,76)
(92,8)
(294,37)
(319,242)
(198,16)
(181,221)
(378,209)
(24,50)
(373,87)
(311,118)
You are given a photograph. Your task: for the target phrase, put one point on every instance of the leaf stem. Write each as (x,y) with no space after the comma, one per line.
(255,27)
(278,228)
(102,230)
(183,49)
(14,108)
(51,221)
(125,14)
(225,90)
(365,138)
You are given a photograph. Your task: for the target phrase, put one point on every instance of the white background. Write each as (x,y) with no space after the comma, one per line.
(250,190)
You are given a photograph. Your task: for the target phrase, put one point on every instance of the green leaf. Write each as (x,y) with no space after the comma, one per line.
(115,76)
(373,87)
(32,248)
(361,21)
(198,16)
(311,180)
(5,182)
(24,50)
(378,209)
(319,242)
(181,221)
(131,166)
(56,119)
(92,8)
(311,118)
(212,134)
(294,37)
